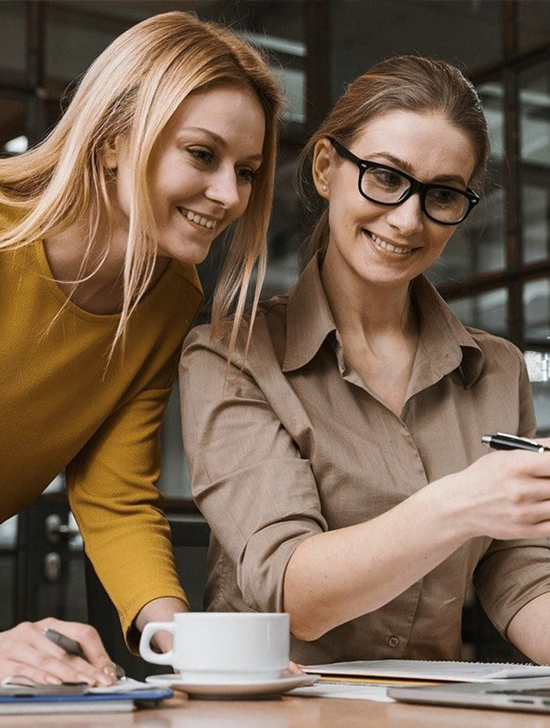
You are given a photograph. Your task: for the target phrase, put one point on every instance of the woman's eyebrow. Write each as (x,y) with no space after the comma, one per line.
(212,134)
(219,140)
(406,167)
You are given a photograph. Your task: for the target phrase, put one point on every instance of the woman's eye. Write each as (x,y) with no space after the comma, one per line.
(386,178)
(201,155)
(246,175)
(446,197)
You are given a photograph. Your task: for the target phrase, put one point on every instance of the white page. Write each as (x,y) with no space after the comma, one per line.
(126,685)
(351,691)
(431,670)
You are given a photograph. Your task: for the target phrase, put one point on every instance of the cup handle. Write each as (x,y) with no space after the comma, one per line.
(159,658)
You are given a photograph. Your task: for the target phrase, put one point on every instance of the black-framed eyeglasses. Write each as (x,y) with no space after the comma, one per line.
(388,186)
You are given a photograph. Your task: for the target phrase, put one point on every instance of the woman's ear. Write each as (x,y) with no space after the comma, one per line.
(321,167)
(109,155)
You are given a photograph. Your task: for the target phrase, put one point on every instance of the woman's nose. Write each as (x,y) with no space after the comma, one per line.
(407,217)
(224,189)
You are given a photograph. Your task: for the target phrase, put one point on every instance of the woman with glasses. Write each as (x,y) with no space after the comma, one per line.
(339,462)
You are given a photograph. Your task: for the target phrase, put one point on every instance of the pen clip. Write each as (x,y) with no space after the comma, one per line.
(516,438)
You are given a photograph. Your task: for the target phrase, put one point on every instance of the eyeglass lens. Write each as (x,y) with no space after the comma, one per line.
(389,187)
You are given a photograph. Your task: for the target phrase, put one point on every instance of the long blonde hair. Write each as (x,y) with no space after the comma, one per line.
(131,91)
(402,83)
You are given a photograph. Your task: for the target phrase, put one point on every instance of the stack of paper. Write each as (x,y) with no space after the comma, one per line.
(433,670)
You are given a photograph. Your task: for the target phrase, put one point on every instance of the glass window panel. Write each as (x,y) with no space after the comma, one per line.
(478,245)
(485,311)
(538,366)
(13,42)
(534,24)
(73,40)
(535,161)
(174,479)
(536,306)
(541,399)
(367,31)
(276,27)
(12,126)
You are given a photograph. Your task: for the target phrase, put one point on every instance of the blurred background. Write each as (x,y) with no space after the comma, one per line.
(495,273)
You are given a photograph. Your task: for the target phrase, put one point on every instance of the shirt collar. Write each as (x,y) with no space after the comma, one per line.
(309,319)
(445,342)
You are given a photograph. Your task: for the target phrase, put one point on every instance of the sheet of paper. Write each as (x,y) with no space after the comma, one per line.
(438,670)
(350,691)
(126,685)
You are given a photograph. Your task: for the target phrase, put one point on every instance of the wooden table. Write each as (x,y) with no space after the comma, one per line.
(286,712)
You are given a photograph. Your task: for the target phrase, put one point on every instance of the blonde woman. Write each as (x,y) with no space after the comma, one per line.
(169,139)
(361,499)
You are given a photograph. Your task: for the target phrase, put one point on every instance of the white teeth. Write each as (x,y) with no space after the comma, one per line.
(194,217)
(388,246)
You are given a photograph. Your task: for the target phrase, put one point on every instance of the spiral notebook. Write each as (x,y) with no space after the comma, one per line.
(430,670)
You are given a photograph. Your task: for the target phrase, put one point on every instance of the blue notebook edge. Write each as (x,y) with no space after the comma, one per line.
(154,694)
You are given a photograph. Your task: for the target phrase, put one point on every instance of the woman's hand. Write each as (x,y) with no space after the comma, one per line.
(504,495)
(26,651)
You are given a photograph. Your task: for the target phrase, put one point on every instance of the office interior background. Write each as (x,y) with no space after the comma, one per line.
(495,273)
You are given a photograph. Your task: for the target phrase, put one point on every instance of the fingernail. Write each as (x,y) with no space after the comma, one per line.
(109,670)
(51,680)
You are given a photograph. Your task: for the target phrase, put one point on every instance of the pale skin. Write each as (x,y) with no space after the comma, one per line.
(337,576)
(201,176)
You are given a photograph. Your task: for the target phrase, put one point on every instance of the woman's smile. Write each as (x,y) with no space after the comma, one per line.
(385,245)
(198,218)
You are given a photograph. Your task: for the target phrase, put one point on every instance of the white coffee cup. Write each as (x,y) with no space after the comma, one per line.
(217,646)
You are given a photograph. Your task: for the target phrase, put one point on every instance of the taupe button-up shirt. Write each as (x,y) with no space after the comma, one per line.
(296,444)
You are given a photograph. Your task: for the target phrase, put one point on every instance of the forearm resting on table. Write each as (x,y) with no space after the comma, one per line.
(529,630)
(339,575)
(160,610)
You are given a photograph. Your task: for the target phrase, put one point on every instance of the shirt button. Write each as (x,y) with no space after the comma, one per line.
(393,641)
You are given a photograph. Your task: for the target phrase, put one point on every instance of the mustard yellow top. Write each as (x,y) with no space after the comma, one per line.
(63,407)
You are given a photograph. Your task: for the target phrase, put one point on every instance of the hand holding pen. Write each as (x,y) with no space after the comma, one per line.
(27,651)
(503,495)
(72,647)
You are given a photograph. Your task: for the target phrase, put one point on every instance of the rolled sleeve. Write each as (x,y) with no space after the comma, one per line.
(247,475)
(510,575)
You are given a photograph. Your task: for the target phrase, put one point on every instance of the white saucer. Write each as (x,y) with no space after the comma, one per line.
(232,689)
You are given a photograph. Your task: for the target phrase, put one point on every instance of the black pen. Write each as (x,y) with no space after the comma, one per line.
(72,647)
(502,441)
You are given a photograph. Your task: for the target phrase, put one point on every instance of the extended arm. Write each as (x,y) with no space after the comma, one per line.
(337,576)
(263,502)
